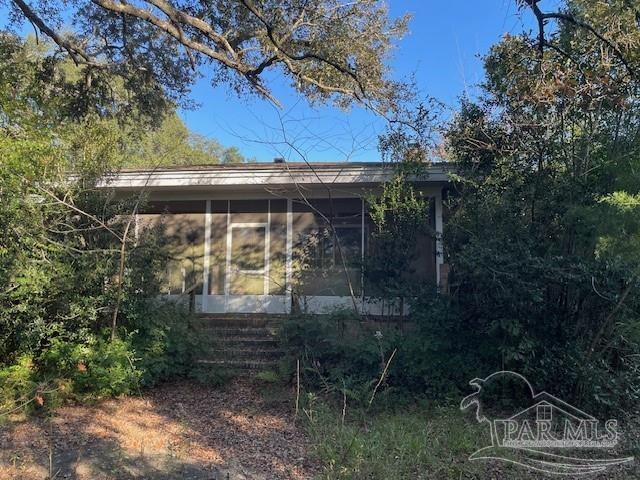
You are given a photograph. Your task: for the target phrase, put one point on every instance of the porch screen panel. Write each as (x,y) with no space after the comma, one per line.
(180,226)
(421,268)
(424,260)
(218,247)
(278,247)
(326,261)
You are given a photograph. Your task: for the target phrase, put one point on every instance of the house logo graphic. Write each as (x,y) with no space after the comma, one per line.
(545,433)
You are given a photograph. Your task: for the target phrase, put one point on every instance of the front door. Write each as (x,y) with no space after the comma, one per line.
(247,269)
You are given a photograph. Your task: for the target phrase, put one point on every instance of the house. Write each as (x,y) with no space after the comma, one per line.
(256,238)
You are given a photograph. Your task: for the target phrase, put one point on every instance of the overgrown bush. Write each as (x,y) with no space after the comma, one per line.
(165,343)
(437,352)
(341,354)
(94,369)
(336,353)
(78,315)
(17,384)
(164,346)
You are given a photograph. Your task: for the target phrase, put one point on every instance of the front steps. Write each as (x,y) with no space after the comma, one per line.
(240,343)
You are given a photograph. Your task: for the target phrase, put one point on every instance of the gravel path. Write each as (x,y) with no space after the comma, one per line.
(175,431)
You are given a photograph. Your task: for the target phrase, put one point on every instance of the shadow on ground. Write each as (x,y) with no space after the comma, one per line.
(175,431)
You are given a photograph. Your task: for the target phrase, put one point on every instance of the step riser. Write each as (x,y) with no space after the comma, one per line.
(237,332)
(242,355)
(239,344)
(238,321)
(234,324)
(239,365)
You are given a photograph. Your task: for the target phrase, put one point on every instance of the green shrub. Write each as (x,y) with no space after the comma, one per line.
(96,369)
(156,343)
(337,353)
(167,345)
(17,384)
(435,354)
(165,342)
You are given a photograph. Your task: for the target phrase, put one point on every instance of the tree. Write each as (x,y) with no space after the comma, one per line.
(69,263)
(172,144)
(573,16)
(55,254)
(544,222)
(327,48)
(147,133)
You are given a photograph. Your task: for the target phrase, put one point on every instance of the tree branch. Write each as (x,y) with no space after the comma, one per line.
(306,56)
(251,45)
(542,17)
(77,54)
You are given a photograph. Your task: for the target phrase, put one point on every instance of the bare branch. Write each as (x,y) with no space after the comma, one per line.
(67,204)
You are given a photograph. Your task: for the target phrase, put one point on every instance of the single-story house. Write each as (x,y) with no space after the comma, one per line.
(255,238)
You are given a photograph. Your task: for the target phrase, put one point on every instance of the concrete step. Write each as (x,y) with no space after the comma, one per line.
(241,364)
(237,320)
(241,343)
(243,332)
(225,352)
(253,342)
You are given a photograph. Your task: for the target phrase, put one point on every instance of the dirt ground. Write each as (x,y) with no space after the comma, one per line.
(175,431)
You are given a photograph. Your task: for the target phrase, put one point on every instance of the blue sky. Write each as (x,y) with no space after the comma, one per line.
(442,50)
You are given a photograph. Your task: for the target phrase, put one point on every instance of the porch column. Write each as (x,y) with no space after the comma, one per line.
(439,230)
(289,257)
(207,253)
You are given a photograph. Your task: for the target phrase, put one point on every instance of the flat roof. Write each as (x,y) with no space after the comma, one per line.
(265,174)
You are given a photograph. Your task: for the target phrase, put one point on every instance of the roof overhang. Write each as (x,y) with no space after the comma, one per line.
(254,176)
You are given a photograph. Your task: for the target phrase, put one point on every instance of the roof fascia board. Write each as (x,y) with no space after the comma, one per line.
(347,175)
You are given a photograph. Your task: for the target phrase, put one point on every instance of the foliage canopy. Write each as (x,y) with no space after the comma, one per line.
(327,48)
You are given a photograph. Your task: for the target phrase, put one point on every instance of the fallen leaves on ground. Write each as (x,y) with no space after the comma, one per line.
(178,430)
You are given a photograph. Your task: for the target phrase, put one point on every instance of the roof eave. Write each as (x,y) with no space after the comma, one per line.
(348,174)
